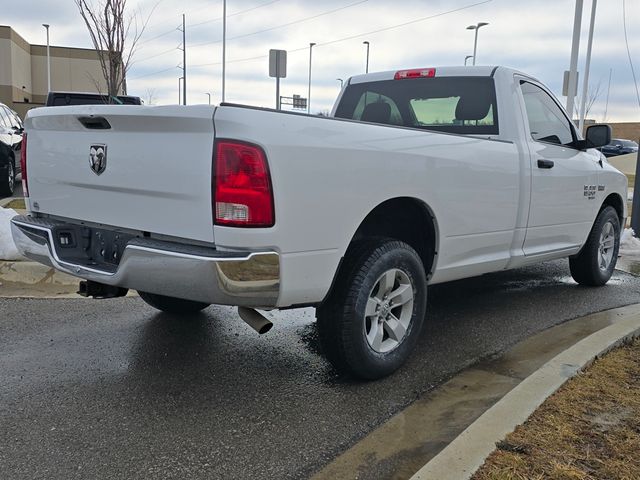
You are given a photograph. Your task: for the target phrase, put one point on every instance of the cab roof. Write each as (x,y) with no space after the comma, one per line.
(445,71)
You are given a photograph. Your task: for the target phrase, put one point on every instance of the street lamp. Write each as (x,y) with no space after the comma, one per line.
(476,27)
(208,95)
(366,70)
(46,26)
(467,58)
(309,94)
(341,82)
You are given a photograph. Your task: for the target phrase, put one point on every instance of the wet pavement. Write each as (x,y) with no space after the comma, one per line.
(414,436)
(112,389)
(630,264)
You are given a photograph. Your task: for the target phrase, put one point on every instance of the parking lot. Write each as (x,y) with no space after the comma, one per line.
(113,389)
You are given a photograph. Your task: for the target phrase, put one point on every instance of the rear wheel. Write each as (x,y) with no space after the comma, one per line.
(7,180)
(372,321)
(172,304)
(596,261)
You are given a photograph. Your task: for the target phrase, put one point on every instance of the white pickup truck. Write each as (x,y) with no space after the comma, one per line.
(418,177)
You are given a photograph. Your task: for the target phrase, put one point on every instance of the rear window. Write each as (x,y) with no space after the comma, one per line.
(464,105)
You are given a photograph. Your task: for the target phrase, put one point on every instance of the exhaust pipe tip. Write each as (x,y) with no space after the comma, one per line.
(265,328)
(255,320)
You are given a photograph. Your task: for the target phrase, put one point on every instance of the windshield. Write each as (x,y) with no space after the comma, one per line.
(446,104)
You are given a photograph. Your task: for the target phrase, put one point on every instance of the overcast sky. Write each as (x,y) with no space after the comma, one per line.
(533,36)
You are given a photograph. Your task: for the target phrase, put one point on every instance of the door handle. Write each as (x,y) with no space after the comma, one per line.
(543,163)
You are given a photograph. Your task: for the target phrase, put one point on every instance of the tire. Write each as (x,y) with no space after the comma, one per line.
(7,180)
(360,332)
(595,263)
(172,304)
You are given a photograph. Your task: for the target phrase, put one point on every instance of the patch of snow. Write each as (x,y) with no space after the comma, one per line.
(629,244)
(8,250)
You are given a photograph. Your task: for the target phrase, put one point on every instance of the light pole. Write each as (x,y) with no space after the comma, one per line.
(224,44)
(585,84)
(476,27)
(46,26)
(309,95)
(366,70)
(184,61)
(572,87)
(341,82)
(467,58)
(208,95)
(180,79)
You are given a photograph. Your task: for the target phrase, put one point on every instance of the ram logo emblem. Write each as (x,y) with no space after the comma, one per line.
(98,158)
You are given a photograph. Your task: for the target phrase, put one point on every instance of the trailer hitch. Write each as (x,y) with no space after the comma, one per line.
(89,288)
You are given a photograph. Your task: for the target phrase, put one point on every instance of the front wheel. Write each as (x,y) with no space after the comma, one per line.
(7,180)
(372,320)
(172,304)
(596,261)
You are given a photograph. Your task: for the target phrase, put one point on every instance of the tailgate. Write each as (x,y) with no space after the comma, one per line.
(145,168)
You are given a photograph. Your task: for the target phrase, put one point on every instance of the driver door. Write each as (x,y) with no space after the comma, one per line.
(563,178)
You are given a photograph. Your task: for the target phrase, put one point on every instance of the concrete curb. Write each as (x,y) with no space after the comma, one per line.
(462,457)
(33,273)
(7,200)
(31,279)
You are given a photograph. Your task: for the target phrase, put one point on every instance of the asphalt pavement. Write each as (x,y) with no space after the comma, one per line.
(112,389)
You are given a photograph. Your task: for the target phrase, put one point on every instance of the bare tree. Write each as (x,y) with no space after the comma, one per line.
(592,96)
(115,35)
(150,98)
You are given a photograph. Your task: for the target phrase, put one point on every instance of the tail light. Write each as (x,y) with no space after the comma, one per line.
(415,73)
(243,196)
(23,165)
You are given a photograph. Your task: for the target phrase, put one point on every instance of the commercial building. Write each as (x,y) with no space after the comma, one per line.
(629,130)
(23,71)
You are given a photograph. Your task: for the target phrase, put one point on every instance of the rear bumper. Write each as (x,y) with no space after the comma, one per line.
(250,279)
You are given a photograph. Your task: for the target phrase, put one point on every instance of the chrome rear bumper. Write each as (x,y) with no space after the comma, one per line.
(250,279)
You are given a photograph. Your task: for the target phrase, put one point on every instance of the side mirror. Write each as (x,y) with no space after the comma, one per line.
(597,136)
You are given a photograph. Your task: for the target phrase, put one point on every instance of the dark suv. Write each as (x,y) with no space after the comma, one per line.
(61,99)
(619,146)
(10,144)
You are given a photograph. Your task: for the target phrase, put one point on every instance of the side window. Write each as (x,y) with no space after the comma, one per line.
(4,121)
(547,122)
(15,119)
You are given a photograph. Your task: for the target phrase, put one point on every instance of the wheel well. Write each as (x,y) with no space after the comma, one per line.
(406,219)
(614,200)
